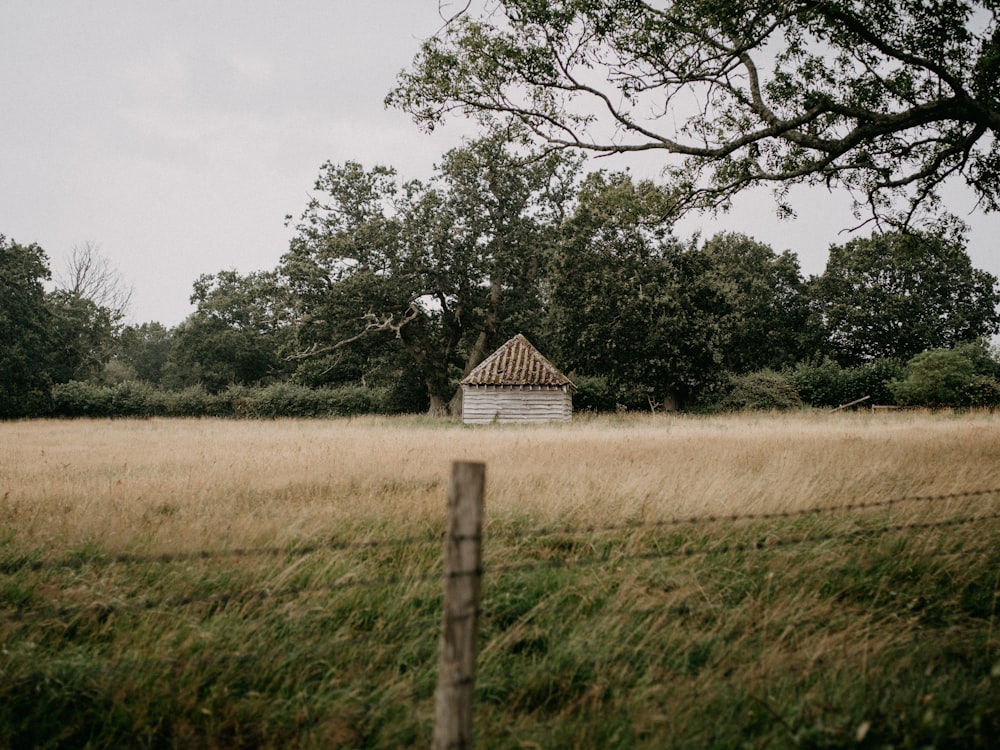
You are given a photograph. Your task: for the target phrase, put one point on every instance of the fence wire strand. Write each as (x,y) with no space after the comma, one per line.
(220,601)
(339,544)
(741,547)
(635,525)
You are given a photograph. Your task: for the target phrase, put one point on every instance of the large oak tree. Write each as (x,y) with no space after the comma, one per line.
(888,98)
(445,269)
(768,325)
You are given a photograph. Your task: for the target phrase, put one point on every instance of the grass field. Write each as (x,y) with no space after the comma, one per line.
(244,584)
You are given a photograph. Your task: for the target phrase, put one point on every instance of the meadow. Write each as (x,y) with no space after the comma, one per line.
(803,580)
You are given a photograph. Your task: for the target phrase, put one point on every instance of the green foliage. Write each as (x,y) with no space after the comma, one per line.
(145,350)
(873,640)
(25,330)
(896,295)
(768,325)
(631,304)
(757,391)
(278,400)
(236,334)
(593,394)
(83,336)
(949,377)
(289,400)
(983,391)
(825,383)
(80,399)
(442,271)
(195,401)
(820,383)
(875,379)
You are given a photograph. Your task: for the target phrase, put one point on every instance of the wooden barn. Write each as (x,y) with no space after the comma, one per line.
(516,384)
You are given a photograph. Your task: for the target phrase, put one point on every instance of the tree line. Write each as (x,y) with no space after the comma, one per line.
(392,290)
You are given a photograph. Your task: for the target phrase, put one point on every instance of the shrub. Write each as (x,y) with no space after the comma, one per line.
(133,398)
(820,383)
(353,400)
(292,400)
(80,399)
(141,399)
(593,394)
(826,383)
(939,377)
(984,391)
(193,401)
(760,391)
(873,379)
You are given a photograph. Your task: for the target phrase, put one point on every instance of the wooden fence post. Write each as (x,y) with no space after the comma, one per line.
(460,620)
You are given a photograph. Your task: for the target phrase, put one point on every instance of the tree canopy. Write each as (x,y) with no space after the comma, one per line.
(896,295)
(446,268)
(25,328)
(768,324)
(887,98)
(235,334)
(629,302)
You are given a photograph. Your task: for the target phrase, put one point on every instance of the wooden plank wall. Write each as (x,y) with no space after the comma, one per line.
(484,405)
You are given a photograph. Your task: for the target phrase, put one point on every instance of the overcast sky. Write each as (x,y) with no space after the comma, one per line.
(177,135)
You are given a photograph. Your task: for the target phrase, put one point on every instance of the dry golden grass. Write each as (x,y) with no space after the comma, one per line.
(163,485)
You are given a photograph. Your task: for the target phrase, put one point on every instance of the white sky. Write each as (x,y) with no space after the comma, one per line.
(177,135)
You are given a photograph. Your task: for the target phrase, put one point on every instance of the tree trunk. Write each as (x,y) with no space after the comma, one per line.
(478,352)
(438,407)
(455,405)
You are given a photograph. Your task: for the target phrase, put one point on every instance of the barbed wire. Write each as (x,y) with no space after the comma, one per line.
(339,544)
(636,525)
(739,547)
(76,562)
(223,600)
(618,552)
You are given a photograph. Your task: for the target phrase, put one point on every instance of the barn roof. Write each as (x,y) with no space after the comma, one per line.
(517,363)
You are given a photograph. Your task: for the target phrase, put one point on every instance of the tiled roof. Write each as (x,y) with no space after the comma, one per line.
(517,363)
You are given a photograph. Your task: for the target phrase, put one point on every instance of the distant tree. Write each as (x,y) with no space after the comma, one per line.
(940,377)
(768,326)
(237,332)
(88,308)
(896,295)
(631,304)
(888,99)
(145,350)
(25,329)
(963,376)
(83,336)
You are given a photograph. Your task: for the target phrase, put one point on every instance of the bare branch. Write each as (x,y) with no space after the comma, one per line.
(374,324)
(89,275)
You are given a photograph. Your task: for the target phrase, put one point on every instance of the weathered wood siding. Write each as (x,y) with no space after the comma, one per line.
(505,404)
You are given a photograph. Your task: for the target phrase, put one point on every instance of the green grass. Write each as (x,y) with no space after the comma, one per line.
(785,633)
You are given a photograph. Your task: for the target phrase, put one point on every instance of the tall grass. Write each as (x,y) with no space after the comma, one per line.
(236,584)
